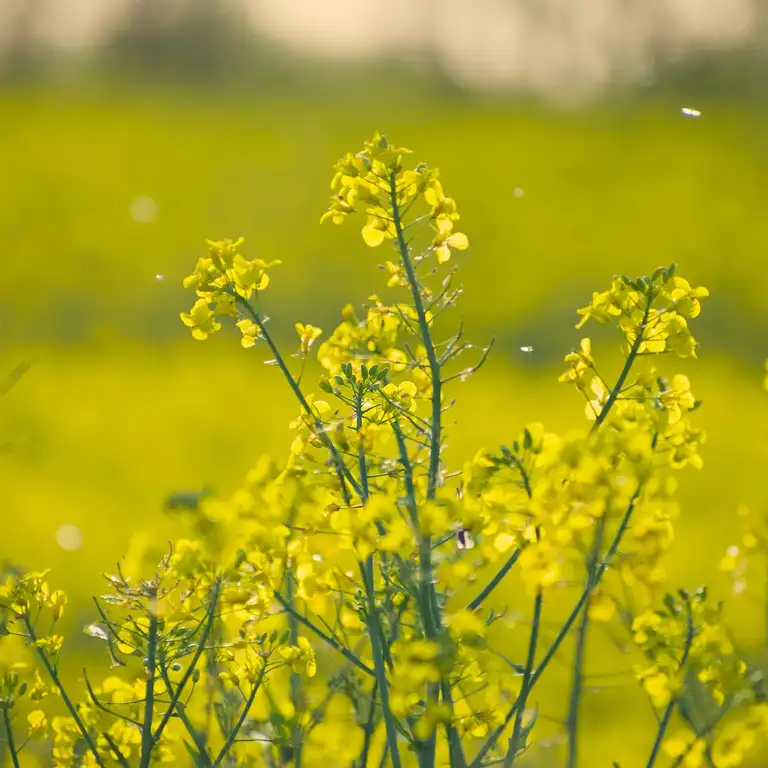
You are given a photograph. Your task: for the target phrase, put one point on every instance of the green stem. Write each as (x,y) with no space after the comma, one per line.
(296,697)
(512,559)
(241,719)
(9,735)
(147,742)
(628,363)
(527,684)
(362,466)
(455,750)
(572,721)
(566,627)
(495,581)
(663,725)
(192,664)
(119,756)
(369,729)
(426,338)
(426,594)
(341,468)
(377,638)
(670,708)
(53,674)
(332,641)
(203,758)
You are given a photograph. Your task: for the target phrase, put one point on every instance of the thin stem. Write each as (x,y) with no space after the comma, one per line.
(565,629)
(670,708)
(572,721)
(362,465)
(119,756)
(617,387)
(495,581)
(376,636)
(103,707)
(241,719)
(64,696)
(341,468)
(330,640)
(428,610)
(426,338)
(147,742)
(370,727)
(9,735)
(203,756)
(455,750)
(176,695)
(527,684)
(513,558)
(296,694)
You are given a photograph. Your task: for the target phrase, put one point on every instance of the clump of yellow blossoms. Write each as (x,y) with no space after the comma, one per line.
(333,610)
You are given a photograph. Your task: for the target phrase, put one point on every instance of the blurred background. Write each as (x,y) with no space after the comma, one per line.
(579,139)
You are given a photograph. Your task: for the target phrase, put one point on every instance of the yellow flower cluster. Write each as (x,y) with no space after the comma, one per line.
(375,181)
(225,280)
(692,666)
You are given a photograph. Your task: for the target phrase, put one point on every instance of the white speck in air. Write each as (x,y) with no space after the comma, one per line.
(144,209)
(690,112)
(69,537)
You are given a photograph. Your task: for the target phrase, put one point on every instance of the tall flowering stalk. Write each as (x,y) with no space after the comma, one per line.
(358,552)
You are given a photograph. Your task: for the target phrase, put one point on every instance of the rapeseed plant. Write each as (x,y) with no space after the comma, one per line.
(349,556)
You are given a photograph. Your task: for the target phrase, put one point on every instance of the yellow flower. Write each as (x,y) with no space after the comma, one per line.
(601,606)
(465,625)
(38,724)
(444,241)
(250,332)
(300,657)
(732,744)
(56,603)
(684,744)
(201,320)
(308,335)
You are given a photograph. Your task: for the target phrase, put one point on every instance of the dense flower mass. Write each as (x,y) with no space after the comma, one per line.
(334,610)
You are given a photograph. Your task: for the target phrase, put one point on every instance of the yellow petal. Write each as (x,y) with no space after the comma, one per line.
(459,241)
(373,236)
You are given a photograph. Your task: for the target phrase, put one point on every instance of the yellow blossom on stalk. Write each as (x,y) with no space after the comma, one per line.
(38,724)
(400,397)
(376,182)
(308,335)
(373,340)
(201,319)
(542,563)
(686,746)
(465,625)
(581,366)
(654,311)
(56,603)
(677,398)
(732,744)
(396,275)
(658,683)
(220,279)
(300,657)
(445,241)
